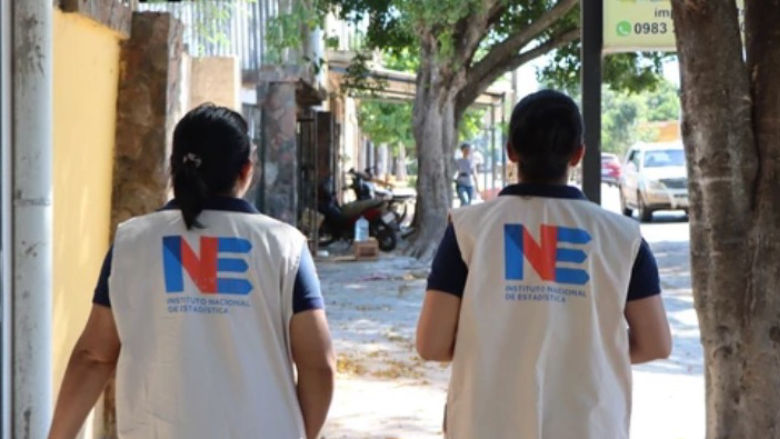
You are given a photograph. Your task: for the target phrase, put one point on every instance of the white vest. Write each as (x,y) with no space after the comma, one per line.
(203,318)
(542,348)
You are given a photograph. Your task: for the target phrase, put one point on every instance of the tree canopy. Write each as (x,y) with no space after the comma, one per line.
(387,122)
(627,117)
(518,31)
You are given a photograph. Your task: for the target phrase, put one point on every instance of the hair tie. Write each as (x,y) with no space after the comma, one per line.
(192,158)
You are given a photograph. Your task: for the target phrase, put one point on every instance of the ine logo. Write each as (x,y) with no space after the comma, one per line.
(204,269)
(545,255)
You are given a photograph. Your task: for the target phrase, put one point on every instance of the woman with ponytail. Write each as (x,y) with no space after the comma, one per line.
(541,299)
(209,313)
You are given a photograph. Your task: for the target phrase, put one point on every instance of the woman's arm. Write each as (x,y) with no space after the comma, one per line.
(648,330)
(438,326)
(316,365)
(91,364)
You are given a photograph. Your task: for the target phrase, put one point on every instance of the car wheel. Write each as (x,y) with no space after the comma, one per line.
(645,213)
(627,211)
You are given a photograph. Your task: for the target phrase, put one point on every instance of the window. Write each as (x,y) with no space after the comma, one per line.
(663,158)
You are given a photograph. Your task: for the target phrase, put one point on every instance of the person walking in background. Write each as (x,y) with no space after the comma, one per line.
(210,312)
(541,299)
(466,179)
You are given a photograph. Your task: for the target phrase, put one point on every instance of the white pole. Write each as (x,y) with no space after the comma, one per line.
(315,48)
(32,217)
(5,223)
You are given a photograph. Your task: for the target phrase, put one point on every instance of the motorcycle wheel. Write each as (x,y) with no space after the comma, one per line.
(385,236)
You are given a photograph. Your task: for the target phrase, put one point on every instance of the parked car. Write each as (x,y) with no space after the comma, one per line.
(610,169)
(654,178)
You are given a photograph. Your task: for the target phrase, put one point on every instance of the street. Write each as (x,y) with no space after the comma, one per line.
(385,391)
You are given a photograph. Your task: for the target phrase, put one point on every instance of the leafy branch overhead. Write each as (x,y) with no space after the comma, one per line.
(487,38)
(629,72)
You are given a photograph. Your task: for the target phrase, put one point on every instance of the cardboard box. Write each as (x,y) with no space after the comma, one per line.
(368,249)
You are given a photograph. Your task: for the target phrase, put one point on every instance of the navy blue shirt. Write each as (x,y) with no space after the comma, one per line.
(306,291)
(449,271)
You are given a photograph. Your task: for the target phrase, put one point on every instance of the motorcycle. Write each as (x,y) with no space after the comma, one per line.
(365,188)
(339,222)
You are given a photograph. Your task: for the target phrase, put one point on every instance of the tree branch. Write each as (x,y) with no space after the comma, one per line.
(473,29)
(496,10)
(509,47)
(477,85)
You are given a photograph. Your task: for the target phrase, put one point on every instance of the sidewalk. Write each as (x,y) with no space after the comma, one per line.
(385,391)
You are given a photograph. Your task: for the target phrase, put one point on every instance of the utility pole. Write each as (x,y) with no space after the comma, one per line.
(30,230)
(592,19)
(5,214)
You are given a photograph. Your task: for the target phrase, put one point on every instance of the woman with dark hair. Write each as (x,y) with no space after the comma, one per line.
(210,313)
(541,299)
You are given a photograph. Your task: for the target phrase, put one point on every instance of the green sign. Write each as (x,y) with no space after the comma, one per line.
(638,25)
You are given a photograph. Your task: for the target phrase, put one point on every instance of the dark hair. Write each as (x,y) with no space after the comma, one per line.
(465,146)
(210,146)
(545,132)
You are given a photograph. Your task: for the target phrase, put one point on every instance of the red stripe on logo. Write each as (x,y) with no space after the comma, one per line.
(203,270)
(542,256)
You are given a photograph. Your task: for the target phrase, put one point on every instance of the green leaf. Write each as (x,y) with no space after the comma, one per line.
(387,122)
(332,42)
(631,72)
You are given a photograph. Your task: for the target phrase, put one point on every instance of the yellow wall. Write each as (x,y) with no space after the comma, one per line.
(86,68)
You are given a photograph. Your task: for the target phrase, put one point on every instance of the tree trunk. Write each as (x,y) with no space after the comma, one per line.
(435,135)
(731,130)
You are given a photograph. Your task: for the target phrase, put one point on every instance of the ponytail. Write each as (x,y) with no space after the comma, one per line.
(210,146)
(190,190)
